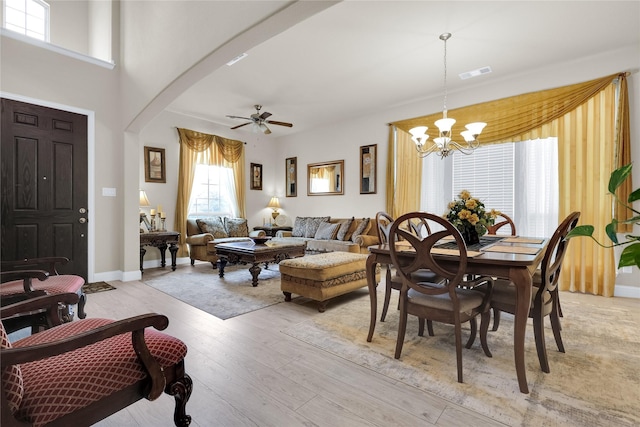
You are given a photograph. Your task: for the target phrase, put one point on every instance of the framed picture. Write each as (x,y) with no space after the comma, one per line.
(154,165)
(291,176)
(368,166)
(256,176)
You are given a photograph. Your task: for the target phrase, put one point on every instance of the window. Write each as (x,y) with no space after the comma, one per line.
(28,17)
(519,179)
(212,193)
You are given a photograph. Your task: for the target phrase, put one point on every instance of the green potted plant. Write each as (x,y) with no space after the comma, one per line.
(631,253)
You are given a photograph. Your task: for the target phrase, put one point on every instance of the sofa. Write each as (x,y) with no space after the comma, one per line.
(326,234)
(204,233)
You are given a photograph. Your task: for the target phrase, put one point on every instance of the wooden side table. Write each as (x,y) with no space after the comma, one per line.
(272,230)
(161,240)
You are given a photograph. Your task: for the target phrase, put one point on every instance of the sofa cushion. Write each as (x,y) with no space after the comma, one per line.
(344,228)
(327,231)
(363,227)
(236,227)
(299,226)
(356,226)
(312,225)
(213,225)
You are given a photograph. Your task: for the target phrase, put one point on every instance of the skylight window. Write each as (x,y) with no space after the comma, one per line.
(28,17)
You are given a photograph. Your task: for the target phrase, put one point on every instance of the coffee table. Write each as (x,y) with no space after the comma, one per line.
(251,253)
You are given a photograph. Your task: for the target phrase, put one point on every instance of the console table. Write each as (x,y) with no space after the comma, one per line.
(272,230)
(161,240)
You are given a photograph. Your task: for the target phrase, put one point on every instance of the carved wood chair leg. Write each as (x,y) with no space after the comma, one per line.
(181,391)
(484,328)
(538,332)
(81,303)
(496,319)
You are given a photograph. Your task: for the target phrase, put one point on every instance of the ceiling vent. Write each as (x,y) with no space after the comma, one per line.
(475,73)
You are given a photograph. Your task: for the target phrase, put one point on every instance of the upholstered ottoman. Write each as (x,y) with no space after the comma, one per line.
(323,276)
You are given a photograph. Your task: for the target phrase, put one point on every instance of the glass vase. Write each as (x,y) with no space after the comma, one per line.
(470,236)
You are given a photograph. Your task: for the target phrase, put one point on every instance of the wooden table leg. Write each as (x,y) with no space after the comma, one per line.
(255,271)
(163,255)
(371,284)
(522,279)
(173,249)
(142,252)
(221,264)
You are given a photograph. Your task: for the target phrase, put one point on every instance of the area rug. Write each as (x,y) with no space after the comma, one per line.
(595,383)
(92,288)
(230,296)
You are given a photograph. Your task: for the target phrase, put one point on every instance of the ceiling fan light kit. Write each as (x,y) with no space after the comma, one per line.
(259,121)
(443,145)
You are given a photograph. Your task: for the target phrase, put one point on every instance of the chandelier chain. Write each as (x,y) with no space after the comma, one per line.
(445,74)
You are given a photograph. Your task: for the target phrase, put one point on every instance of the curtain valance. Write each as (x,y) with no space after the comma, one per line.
(509,118)
(229,149)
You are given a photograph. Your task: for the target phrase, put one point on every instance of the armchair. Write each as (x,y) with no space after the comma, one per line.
(80,372)
(16,281)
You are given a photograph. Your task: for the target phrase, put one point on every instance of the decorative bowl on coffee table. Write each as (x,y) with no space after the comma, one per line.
(260,240)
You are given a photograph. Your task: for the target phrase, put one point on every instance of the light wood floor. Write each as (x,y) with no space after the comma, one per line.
(247,373)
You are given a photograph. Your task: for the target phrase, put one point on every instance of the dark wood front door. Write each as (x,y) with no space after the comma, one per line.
(44,177)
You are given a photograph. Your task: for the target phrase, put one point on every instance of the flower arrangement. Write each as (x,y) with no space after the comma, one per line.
(469,216)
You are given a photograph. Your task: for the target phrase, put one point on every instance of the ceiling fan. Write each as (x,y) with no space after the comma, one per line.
(259,121)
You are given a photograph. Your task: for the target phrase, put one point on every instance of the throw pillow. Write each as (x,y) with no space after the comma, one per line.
(344,228)
(213,225)
(299,226)
(363,227)
(327,231)
(236,227)
(312,225)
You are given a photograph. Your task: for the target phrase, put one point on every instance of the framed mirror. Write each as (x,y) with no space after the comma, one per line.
(326,178)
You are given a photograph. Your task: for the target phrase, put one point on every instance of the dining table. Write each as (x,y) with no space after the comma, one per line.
(510,257)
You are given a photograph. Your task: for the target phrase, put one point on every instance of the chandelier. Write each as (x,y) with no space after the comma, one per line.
(443,145)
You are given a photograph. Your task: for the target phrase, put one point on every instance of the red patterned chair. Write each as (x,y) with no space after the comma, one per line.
(51,283)
(80,372)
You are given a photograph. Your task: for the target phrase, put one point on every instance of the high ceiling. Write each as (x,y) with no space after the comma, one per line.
(360,57)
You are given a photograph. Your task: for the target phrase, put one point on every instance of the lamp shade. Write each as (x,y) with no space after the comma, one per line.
(274,203)
(144,201)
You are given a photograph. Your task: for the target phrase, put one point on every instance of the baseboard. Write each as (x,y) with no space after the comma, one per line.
(626,291)
(127,276)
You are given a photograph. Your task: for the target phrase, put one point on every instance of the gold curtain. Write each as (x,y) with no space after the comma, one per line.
(593,139)
(405,190)
(201,148)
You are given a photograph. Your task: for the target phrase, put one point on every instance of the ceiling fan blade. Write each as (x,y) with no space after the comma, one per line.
(265,115)
(239,126)
(238,117)
(272,122)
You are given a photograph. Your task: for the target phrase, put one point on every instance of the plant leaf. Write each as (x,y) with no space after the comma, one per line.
(611,231)
(634,196)
(630,256)
(618,176)
(581,231)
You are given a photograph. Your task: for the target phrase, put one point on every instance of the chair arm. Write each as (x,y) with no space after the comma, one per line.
(39,304)
(25,275)
(50,262)
(199,239)
(365,240)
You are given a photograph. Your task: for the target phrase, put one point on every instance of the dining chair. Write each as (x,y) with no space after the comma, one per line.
(502,220)
(443,301)
(418,227)
(545,300)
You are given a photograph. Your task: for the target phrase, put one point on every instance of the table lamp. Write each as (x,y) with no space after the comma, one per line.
(274,204)
(144,202)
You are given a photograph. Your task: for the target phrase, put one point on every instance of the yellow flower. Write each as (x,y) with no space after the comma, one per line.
(471,204)
(451,205)
(464,214)
(464,195)
(473,219)
(494,213)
